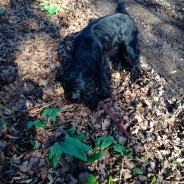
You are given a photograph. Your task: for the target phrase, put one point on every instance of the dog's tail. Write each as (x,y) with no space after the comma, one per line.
(121,8)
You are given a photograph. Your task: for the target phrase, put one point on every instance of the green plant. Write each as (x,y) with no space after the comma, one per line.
(105,141)
(91,179)
(153,180)
(110,180)
(4,123)
(49,114)
(174,160)
(73,146)
(137,170)
(46,6)
(33,143)
(1,11)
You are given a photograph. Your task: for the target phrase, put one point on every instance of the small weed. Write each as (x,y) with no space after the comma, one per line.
(137,170)
(1,12)
(48,115)
(153,180)
(105,141)
(91,179)
(4,123)
(46,6)
(110,180)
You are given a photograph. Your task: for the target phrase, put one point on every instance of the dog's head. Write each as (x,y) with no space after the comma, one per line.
(72,86)
(78,87)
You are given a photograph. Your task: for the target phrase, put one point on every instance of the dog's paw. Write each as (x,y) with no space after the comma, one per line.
(104,94)
(135,72)
(93,106)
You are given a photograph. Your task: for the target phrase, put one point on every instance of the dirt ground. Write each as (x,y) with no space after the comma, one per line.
(34,50)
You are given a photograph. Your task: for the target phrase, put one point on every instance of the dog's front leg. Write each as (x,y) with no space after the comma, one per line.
(90,96)
(105,80)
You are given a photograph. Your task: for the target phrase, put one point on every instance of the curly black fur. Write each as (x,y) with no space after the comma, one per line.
(88,77)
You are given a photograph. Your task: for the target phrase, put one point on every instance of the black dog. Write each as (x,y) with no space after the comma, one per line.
(89,77)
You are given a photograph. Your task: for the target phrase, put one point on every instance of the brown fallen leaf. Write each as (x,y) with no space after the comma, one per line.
(43,172)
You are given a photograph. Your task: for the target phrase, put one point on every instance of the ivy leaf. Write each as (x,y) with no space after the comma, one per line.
(91,179)
(4,123)
(153,180)
(137,170)
(119,148)
(52,9)
(73,151)
(71,131)
(51,113)
(77,143)
(95,157)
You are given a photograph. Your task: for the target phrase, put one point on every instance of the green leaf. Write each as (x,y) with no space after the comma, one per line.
(97,143)
(95,157)
(52,9)
(122,140)
(38,123)
(110,180)
(30,124)
(32,141)
(106,144)
(79,136)
(41,7)
(1,12)
(119,148)
(4,123)
(74,151)
(91,179)
(51,113)
(55,153)
(71,131)
(137,170)
(174,161)
(128,153)
(77,143)
(153,180)
(52,151)
(105,141)
(56,157)
(71,9)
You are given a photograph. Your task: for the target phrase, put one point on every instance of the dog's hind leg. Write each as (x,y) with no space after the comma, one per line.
(119,58)
(132,60)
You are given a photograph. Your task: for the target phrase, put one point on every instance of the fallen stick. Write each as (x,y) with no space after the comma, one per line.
(115,121)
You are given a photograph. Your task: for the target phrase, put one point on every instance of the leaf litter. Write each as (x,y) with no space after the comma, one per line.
(34,47)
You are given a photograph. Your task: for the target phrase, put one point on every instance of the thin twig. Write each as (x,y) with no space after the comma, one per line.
(47,105)
(121,172)
(115,121)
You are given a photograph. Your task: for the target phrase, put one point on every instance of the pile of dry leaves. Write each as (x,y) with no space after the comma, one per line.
(34,49)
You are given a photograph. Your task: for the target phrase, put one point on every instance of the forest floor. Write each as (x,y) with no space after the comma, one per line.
(34,48)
